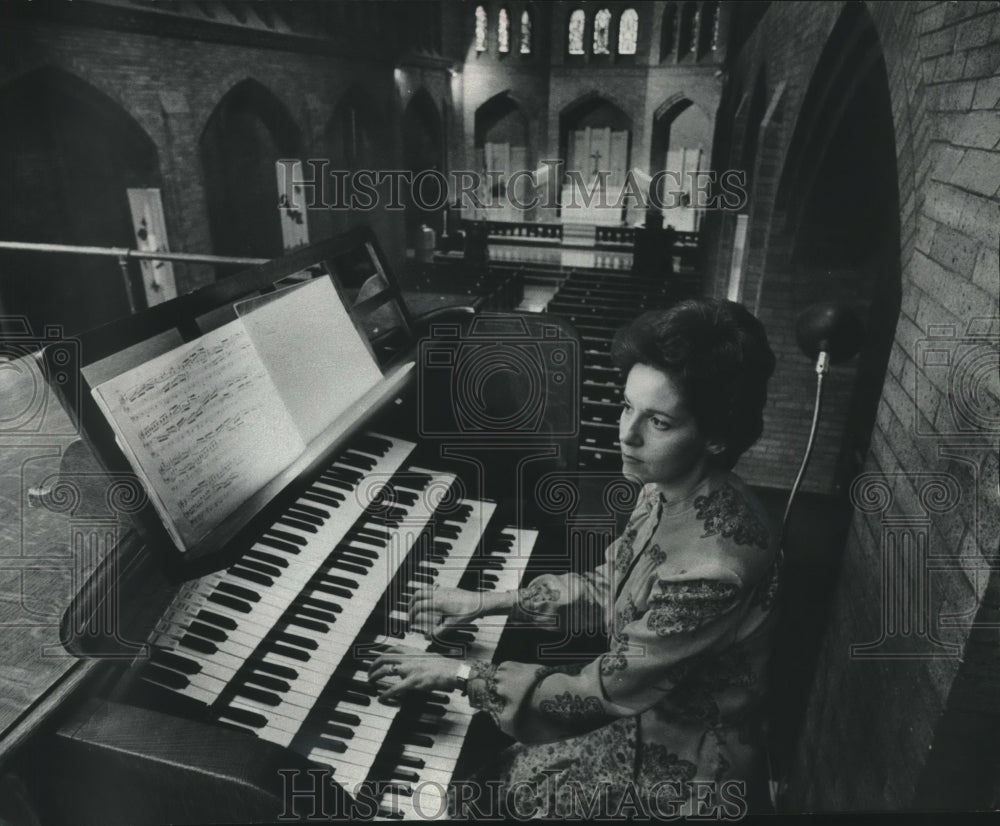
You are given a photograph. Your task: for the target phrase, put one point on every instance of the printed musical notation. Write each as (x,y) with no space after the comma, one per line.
(204,426)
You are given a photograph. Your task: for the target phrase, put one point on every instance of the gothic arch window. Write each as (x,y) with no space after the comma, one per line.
(480,29)
(503,31)
(688,27)
(628,31)
(526,32)
(577,25)
(708,29)
(602,32)
(668,35)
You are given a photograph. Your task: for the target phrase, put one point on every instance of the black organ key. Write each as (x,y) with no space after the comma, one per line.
(284,536)
(252,563)
(305,622)
(175,662)
(267,697)
(330,498)
(290,651)
(340,580)
(251,576)
(338,731)
(266,681)
(345,718)
(299,524)
(318,513)
(248,718)
(358,460)
(269,558)
(168,678)
(277,670)
(373,444)
(299,641)
(198,644)
(278,544)
(207,631)
(232,589)
(412,480)
(343,473)
(230,602)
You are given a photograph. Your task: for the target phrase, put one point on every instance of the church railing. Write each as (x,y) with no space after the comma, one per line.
(516,232)
(614,236)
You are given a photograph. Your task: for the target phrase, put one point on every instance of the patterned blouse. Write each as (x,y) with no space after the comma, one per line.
(671,713)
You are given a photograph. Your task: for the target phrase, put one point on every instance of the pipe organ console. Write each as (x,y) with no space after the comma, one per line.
(241,666)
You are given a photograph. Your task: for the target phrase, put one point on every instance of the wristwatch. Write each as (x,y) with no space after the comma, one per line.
(462,677)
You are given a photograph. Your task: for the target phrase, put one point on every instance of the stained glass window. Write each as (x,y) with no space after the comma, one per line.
(480,29)
(577,23)
(714,11)
(503,31)
(525,32)
(628,31)
(668,39)
(602,29)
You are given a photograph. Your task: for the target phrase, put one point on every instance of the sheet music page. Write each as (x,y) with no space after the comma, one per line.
(204,426)
(317,359)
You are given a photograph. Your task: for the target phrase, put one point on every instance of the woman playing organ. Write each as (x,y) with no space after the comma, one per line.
(674,705)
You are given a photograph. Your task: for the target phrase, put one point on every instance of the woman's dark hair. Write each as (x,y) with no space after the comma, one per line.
(717,352)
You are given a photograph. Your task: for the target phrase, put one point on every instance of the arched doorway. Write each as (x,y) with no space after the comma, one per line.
(249,130)
(682,146)
(839,199)
(422,151)
(595,140)
(501,141)
(67,155)
(353,140)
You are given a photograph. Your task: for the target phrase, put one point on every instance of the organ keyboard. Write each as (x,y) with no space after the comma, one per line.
(278,643)
(267,648)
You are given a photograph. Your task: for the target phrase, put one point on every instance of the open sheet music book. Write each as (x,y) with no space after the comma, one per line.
(209,423)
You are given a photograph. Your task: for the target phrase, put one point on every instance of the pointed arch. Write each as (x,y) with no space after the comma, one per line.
(247,132)
(423,149)
(595,137)
(354,132)
(681,144)
(68,153)
(502,117)
(839,195)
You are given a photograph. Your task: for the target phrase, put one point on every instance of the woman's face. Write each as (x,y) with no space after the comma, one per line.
(660,439)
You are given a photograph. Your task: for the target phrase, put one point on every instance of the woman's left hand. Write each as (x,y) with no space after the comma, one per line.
(417,671)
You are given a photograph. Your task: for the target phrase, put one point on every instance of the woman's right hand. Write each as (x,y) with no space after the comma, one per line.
(432,609)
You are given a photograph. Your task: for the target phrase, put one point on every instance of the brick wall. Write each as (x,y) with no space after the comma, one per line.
(170,87)
(877,711)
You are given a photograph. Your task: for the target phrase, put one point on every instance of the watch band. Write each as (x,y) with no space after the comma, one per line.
(462,677)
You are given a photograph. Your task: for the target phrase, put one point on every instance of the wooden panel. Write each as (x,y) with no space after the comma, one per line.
(618,158)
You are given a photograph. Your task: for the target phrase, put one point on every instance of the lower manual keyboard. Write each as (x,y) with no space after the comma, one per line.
(426,763)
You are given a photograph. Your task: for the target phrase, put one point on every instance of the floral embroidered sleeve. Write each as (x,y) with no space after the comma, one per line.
(579,600)
(551,600)
(683,617)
